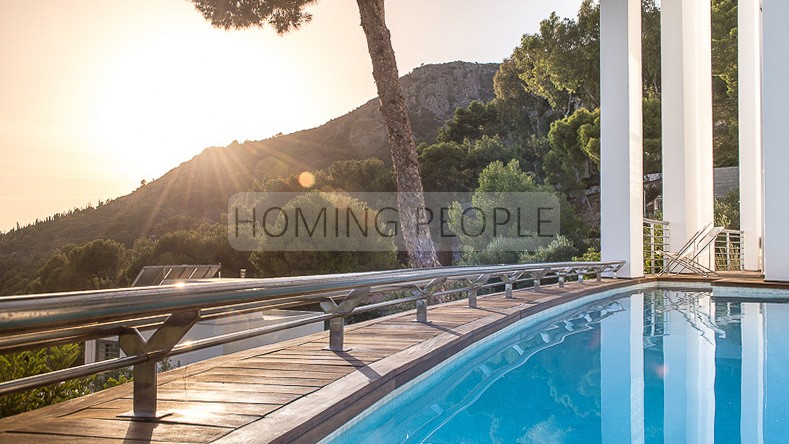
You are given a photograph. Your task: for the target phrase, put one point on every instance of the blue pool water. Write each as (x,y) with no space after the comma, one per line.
(667,366)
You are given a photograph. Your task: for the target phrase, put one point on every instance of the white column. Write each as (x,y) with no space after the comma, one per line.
(752,377)
(621,139)
(686,64)
(749,32)
(622,360)
(775,115)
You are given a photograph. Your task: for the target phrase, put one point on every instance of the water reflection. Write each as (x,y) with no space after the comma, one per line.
(660,366)
(713,370)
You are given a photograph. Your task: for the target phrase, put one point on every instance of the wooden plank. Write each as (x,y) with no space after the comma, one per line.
(37,438)
(231,387)
(226,396)
(317,368)
(127,430)
(197,408)
(297,362)
(316,356)
(177,416)
(246,379)
(264,373)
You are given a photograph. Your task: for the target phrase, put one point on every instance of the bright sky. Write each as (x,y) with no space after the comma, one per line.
(96,95)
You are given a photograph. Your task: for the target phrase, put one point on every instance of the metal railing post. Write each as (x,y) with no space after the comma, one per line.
(163,340)
(472,298)
(473,288)
(345,307)
(421,311)
(508,291)
(425,292)
(537,276)
(337,334)
(509,280)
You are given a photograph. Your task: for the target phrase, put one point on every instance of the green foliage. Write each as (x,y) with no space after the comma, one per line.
(444,167)
(89,266)
(498,177)
(653,148)
(727,210)
(452,166)
(471,122)
(724,83)
(499,251)
(509,178)
(650,47)
(591,255)
(282,15)
(486,150)
(371,175)
(568,165)
(206,244)
(34,362)
(560,249)
(562,62)
(524,117)
(589,134)
(111,379)
(299,257)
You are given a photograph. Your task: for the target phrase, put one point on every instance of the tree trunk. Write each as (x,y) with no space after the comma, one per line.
(401,138)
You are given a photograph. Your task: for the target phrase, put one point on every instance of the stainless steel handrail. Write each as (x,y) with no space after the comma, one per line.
(30,313)
(32,321)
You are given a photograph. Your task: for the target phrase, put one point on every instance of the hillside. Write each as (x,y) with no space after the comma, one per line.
(201,187)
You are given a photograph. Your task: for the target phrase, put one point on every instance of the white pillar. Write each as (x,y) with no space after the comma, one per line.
(622,360)
(752,376)
(621,139)
(686,65)
(775,115)
(749,32)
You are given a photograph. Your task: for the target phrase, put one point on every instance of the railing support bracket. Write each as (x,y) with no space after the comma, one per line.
(337,325)
(163,340)
(425,292)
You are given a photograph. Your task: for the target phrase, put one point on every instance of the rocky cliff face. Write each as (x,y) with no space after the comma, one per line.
(440,89)
(432,93)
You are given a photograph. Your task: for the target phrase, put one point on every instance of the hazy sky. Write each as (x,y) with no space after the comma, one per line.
(96,95)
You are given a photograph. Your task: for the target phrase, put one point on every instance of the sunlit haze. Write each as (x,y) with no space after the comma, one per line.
(97,95)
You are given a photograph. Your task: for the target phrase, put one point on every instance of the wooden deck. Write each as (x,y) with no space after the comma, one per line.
(293,391)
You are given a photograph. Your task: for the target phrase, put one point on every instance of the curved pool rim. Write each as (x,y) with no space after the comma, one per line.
(528,317)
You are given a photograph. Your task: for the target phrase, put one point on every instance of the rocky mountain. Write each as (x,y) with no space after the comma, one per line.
(201,187)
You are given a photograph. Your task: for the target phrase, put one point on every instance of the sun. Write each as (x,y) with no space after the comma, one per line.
(170,96)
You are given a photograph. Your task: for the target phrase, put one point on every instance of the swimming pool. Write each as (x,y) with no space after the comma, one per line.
(642,366)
